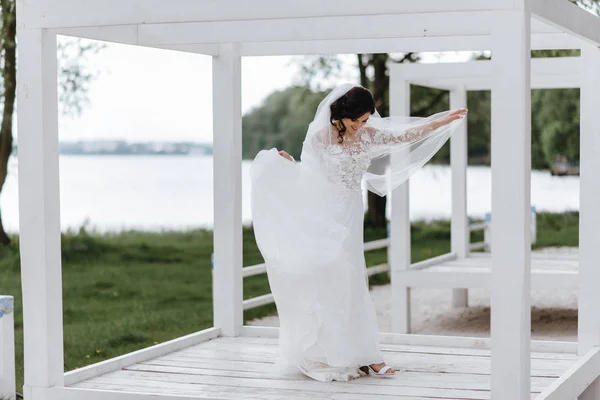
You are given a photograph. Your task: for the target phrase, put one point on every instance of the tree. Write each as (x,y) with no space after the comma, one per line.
(73,86)
(281,121)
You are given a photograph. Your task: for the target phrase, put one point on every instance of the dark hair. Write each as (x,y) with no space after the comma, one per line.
(354,104)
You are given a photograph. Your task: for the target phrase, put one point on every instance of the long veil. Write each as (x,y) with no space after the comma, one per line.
(395,159)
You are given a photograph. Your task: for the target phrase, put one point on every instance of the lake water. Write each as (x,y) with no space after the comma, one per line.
(175,192)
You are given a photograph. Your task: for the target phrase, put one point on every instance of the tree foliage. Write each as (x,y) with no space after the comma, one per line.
(74,80)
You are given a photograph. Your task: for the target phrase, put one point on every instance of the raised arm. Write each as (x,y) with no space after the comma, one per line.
(414,133)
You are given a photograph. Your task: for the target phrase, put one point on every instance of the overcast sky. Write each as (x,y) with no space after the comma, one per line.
(150,94)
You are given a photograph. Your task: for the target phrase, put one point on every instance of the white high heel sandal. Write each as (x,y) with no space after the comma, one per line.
(382,373)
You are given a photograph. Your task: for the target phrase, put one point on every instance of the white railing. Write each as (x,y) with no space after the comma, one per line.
(259,269)
(262,269)
(486,226)
(7,349)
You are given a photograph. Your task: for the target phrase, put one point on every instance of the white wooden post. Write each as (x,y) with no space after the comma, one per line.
(227,148)
(589,212)
(7,348)
(459,236)
(39,210)
(399,251)
(511,174)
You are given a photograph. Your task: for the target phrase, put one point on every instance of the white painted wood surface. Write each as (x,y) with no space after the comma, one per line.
(475,271)
(227,149)
(75,13)
(569,18)
(242,367)
(39,208)
(589,215)
(511,176)
(125,360)
(432,24)
(459,230)
(589,234)
(399,250)
(555,72)
(7,348)
(576,379)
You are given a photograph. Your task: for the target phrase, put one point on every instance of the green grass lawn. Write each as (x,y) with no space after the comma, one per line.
(127,291)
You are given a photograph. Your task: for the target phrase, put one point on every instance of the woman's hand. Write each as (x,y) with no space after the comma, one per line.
(453,116)
(285,154)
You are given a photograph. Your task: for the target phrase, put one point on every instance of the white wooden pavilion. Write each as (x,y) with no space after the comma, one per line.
(232,361)
(461,268)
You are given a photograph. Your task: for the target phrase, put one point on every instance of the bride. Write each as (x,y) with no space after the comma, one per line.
(308,222)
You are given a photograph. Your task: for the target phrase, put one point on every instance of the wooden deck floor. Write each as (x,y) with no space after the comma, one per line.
(241,368)
(547,272)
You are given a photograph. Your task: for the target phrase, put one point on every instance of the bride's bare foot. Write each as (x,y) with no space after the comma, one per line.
(378,367)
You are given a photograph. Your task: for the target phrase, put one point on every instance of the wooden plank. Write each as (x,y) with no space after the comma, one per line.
(459,231)
(258,301)
(405,378)
(376,244)
(254,270)
(483,68)
(547,41)
(511,181)
(388,25)
(260,333)
(39,208)
(473,278)
(269,344)
(281,387)
(227,149)
(116,363)
(378,269)
(576,379)
(62,13)
(403,361)
(568,18)
(589,235)
(116,392)
(589,238)
(125,34)
(399,249)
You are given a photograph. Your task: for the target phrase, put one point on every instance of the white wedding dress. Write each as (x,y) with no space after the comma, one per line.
(308,223)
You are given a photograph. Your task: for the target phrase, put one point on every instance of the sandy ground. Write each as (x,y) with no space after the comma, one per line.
(553,313)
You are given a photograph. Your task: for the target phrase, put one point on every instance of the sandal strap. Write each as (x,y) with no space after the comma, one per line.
(384,370)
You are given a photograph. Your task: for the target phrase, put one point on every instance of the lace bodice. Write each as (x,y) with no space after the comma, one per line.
(345,164)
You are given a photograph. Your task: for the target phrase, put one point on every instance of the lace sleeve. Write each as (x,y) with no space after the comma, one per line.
(410,134)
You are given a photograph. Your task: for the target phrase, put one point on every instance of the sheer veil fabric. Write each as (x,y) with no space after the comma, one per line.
(308,223)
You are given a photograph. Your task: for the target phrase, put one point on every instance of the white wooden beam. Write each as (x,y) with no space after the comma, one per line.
(399,250)
(456,23)
(554,66)
(74,13)
(39,208)
(474,84)
(125,34)
(589,215)
(317,28)
(568,17)
(459,235)
(117,363)
(548,41)
(589,235)
(576,379)
(511,175)
(227,144)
